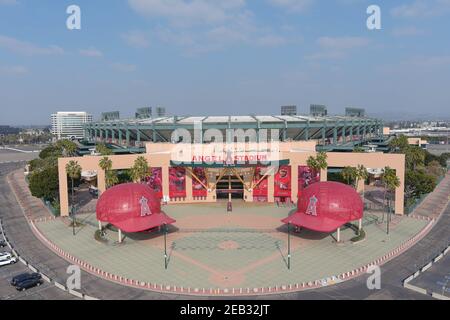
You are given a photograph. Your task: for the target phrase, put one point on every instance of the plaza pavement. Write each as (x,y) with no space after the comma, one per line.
(393,272)
(238,250)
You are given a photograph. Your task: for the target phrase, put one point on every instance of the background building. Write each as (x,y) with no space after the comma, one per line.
(143,113)
(110,116)
(289,110)
(355,112)
(70,125)
(318,110)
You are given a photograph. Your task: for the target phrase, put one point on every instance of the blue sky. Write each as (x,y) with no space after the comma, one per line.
(222,57)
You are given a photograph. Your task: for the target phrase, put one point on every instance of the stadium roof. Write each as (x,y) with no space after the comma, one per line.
(190,120)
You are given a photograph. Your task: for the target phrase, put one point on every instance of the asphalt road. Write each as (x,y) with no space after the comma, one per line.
(34,251)
(44,292)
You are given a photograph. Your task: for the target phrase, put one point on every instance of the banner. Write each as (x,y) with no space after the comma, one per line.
(177,182)
(198,190)
(306,177)
(283,182)
(260,190)
(155,181)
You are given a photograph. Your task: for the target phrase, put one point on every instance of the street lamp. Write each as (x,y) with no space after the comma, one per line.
(165,246)
(389,215)
(289,246)
(73,219)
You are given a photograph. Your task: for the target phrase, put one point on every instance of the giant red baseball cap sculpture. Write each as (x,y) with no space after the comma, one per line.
(326,206)
(132,208)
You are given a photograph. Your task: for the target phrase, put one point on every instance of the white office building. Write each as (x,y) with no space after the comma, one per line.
(70,125)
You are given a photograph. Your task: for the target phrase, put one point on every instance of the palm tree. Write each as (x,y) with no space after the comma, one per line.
(140,169)
(391,182)
(69,148)
(349,174)
(103,150)
(110,177)
(73,170)
(319,162)
(361,175)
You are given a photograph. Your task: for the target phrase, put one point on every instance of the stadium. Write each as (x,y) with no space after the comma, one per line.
(254,158)
(332,133)
(235,200)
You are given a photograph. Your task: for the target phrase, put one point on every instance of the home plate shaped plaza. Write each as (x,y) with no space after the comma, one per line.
(209,247)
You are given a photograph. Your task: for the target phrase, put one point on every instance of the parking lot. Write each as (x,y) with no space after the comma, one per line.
(8,292)
(437,278)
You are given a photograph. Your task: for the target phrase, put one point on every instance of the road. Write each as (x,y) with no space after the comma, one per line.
(44,292)
(34,251)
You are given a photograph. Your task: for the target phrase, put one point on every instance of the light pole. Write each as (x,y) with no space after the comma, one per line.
(289,246)
(73,219)
(389,215)
(165,246)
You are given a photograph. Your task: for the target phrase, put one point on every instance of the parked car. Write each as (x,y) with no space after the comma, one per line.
(24,276)
(5,255)
(6,262)
(93,191)
(27,284)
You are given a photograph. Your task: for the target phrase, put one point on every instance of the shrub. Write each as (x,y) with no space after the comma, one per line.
(360,237)
(98,236)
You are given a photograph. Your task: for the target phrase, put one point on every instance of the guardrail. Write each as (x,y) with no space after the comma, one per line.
(46,278)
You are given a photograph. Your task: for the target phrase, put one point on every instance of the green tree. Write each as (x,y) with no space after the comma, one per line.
(140,169)
(319,162)
(44,183)
(51,151)
(391,182)
(103,150)
(419,183)
(399,144)
(349,175)
(111,178)
(69,148)
(415,157)
(73,170)
(359,150)
(361,175)
(435,170)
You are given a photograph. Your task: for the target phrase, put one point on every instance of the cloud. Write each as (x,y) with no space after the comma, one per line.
(293,6)
(183,12)
(27,48)
(422,9)
(13,70)
(202,26)
(342,43)
(136,39)
(123,67)
(91,52)
(407,32)
(337,47)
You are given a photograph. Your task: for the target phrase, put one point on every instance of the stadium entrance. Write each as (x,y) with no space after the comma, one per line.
(230,186)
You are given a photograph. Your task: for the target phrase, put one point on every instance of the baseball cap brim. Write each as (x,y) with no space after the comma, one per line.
(315,223)
(140,224)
